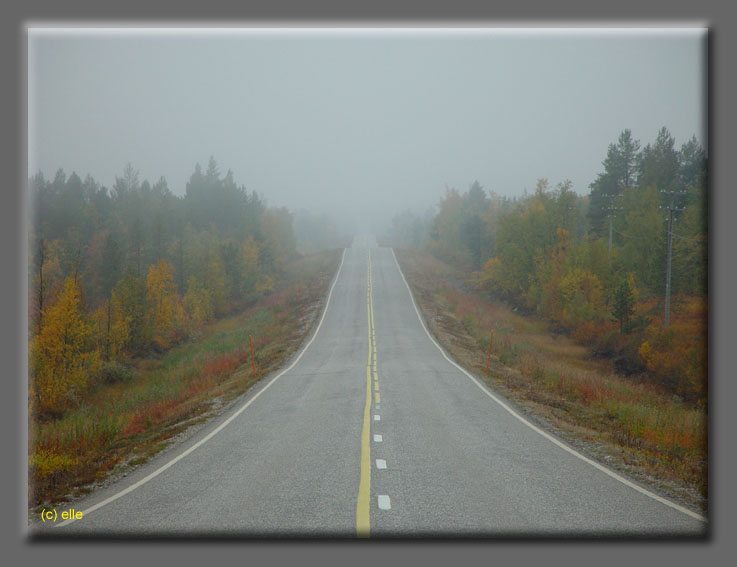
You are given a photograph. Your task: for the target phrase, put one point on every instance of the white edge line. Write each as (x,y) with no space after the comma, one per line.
(220,427)
(537,429)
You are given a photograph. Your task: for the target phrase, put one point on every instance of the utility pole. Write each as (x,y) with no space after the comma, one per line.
(671,208)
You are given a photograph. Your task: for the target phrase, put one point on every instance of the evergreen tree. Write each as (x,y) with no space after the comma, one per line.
(620,172)
(692,171)
(623,306)
(627,158)
(659,164)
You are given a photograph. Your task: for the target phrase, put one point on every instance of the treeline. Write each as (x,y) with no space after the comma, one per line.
(595,265)
(128,271)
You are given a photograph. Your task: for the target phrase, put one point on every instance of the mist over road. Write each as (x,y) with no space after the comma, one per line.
(371,431)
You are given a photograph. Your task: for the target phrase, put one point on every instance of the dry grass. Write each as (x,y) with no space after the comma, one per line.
(637,427)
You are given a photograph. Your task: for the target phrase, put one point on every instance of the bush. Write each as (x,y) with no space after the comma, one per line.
(588,332)
(607,345)
(627,366)
(115,372)
(44,463)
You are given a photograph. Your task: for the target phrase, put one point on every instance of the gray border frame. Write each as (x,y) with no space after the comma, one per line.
(717,15)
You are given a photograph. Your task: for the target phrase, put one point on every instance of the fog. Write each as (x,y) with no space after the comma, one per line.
(359,124)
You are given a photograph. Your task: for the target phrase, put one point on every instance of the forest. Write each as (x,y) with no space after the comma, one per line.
(128,272)
(595,266)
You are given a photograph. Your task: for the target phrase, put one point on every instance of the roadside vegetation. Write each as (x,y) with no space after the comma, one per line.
(137,408)
(626,422)
(142,309)
(579,326)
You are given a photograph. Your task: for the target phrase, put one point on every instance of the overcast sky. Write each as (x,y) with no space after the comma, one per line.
(358,123)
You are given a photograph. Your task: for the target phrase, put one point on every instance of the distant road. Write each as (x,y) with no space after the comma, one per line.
(373,432)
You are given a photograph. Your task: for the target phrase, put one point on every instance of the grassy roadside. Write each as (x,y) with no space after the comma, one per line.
(126,422)
(632,427)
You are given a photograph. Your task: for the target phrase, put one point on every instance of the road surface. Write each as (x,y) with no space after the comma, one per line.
(371,431)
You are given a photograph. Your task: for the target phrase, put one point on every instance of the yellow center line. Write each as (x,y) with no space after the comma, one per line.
(363,519)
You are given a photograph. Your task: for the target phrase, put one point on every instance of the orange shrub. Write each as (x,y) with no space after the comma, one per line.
(678,354)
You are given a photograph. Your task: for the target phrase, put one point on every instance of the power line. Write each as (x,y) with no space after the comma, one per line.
(698,240)
(632,237)
(701,240)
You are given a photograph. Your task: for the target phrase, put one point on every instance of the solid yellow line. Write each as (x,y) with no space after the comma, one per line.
(363,518)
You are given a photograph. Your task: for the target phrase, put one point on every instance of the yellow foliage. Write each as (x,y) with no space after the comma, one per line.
(251,272)
(113,327)
(278,234)
(163,308)
(265,284)
(582,293)
(678,355)
(216,282)
(491,277)
(491,265)
(633,287)
(44,463)
(536,209)
(119,328)
(62,353)
(197,304)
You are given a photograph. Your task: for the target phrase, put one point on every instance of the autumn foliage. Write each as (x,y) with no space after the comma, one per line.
(120,273)
(678,353)
(121,279)
(63,354)
(164,306)
(594,266)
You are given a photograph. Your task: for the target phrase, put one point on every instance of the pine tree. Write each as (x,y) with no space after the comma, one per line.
(624,304)
(659,163)
(620,172)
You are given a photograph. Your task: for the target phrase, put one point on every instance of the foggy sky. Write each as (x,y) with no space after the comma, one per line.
(357,123)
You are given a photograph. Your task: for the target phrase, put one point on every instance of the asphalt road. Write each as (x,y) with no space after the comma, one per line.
(371,431)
